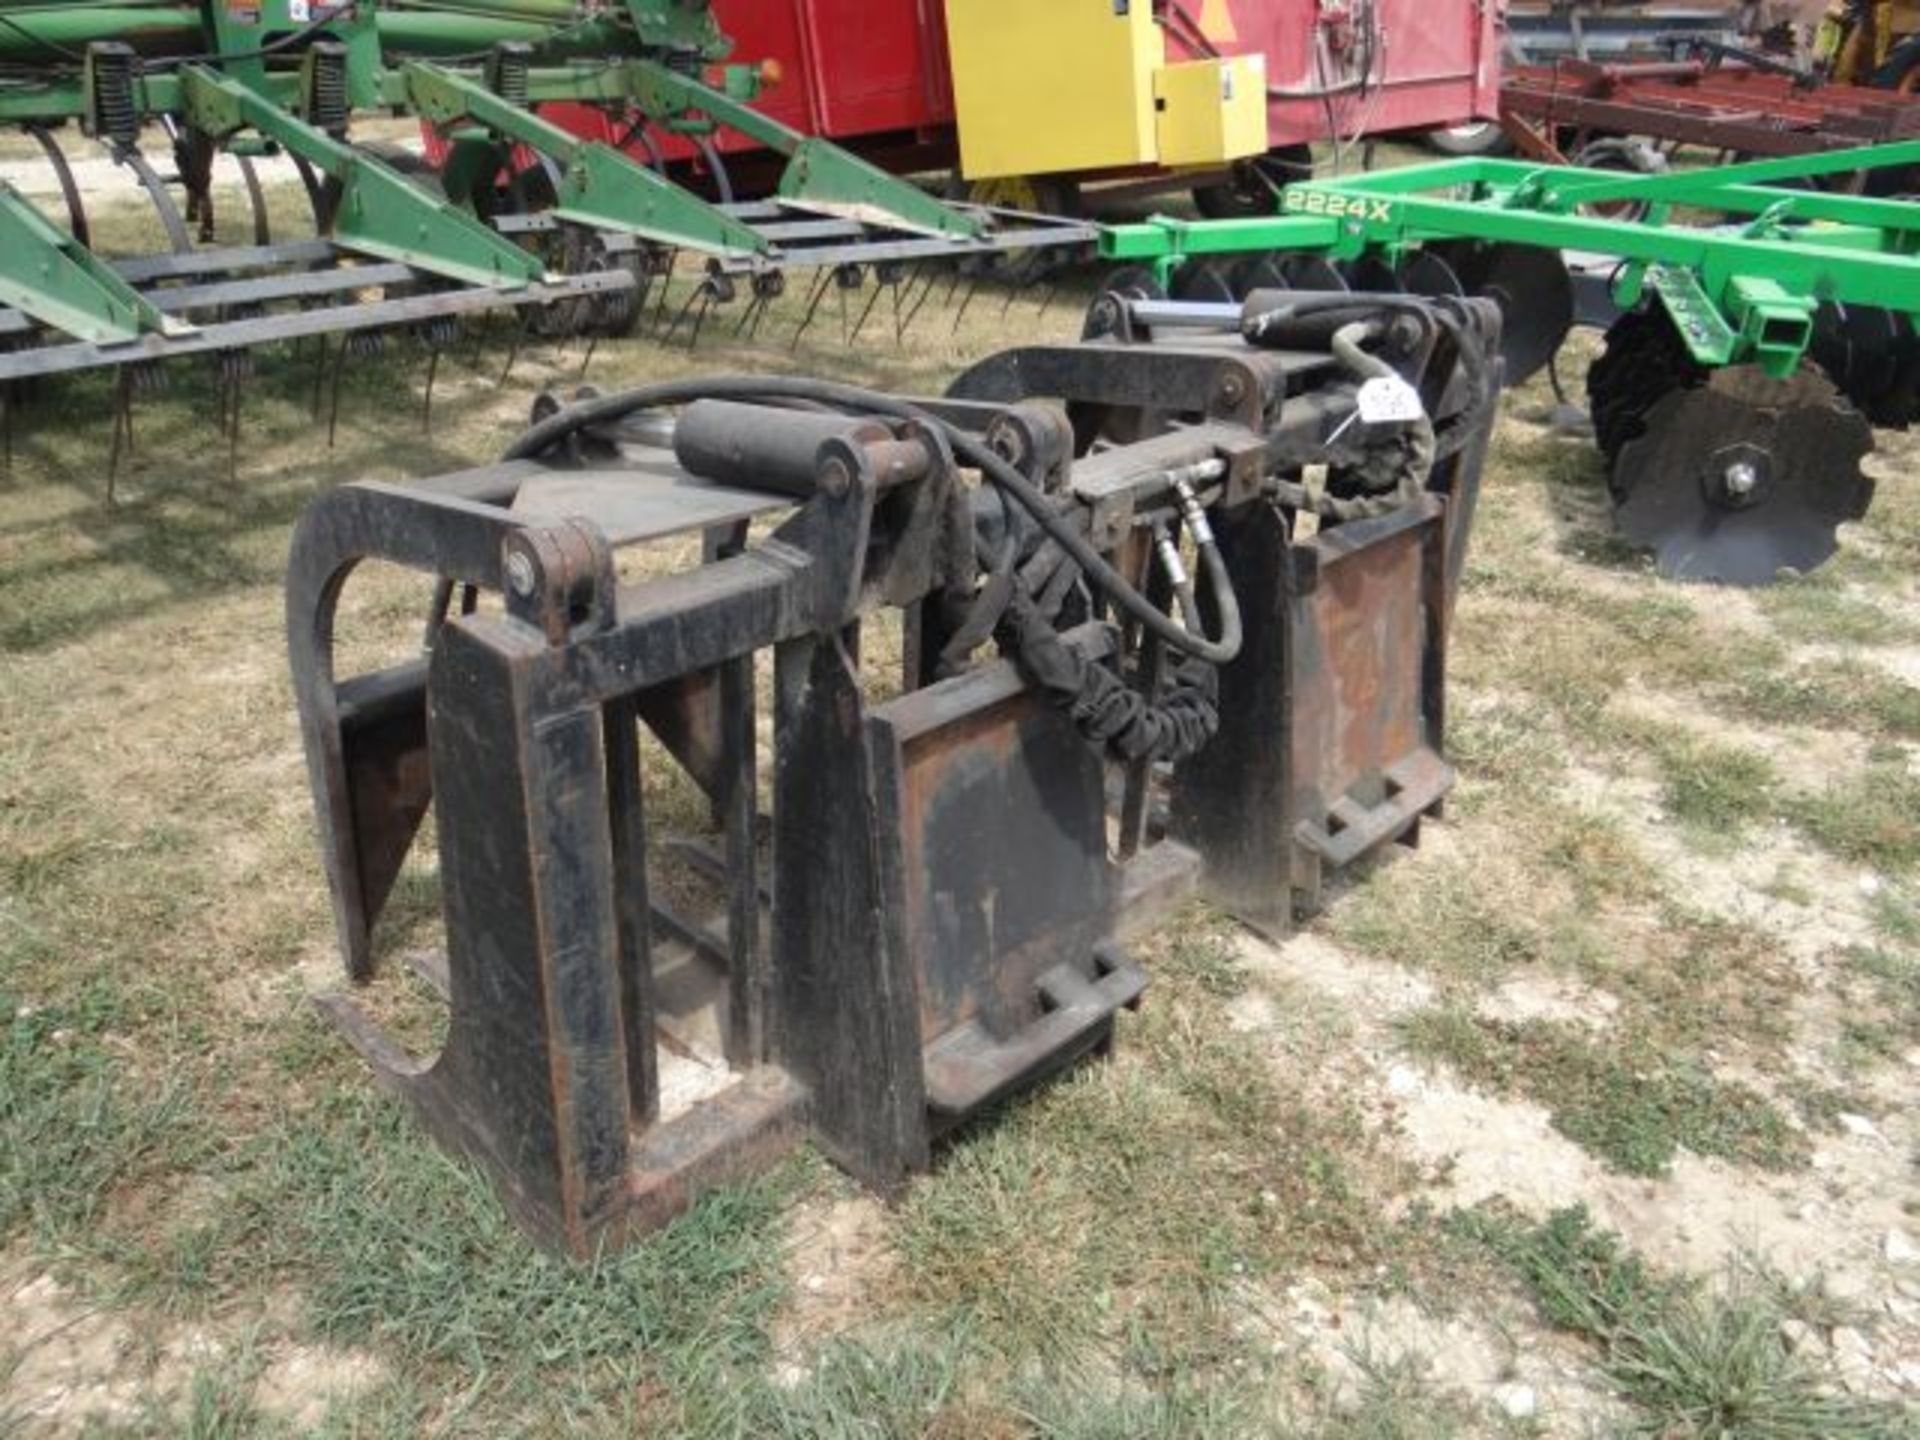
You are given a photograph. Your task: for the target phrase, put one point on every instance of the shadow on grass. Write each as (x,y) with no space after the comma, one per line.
(182,528)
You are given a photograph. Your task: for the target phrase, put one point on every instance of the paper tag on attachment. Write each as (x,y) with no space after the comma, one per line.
(1387,398)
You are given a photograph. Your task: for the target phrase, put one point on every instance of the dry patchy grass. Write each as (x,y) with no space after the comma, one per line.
(186,1143)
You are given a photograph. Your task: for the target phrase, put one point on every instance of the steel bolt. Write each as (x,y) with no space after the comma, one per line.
(1232,389)
(835,479)
(1741,477)
(520,576)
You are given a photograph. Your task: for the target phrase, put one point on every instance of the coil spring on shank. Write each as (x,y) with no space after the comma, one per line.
(115,116)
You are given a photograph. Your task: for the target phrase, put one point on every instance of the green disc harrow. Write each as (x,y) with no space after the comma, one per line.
(1757,324)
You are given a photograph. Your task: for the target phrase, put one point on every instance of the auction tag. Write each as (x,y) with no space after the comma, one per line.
(1387,398)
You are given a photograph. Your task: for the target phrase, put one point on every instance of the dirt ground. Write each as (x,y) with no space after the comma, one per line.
(1591,1116)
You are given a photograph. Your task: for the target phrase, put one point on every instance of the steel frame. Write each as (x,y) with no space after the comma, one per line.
(1725,106)
(483,112)
(1741,290)
(945,910)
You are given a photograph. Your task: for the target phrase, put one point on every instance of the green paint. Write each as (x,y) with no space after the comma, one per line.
(1738,292)
(46,273)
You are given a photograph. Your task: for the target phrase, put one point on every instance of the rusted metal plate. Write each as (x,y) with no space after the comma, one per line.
(1002,832)
(648,500)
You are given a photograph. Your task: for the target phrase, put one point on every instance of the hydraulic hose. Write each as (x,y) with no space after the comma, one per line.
(973,451)
(1259,325)
(1422,444)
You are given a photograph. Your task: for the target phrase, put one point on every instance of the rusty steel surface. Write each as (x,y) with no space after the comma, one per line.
(915,887)
(1723,106)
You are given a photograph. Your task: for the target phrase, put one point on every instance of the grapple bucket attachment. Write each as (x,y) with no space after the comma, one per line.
(910,895)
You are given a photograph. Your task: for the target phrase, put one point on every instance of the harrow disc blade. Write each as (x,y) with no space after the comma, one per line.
(1311,272)
(1425,272)
(1744,476)
(1130,282)
(1136,282)
(1372,275)
(1531,286)
(1873,356)
(1257,272)
(1204,282)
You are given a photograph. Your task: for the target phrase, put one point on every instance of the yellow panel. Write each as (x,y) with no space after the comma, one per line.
(1212,110)
(1043,86)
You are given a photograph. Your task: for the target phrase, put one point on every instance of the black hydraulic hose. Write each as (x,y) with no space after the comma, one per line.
(1419,463)
(1426,310)
(975,452)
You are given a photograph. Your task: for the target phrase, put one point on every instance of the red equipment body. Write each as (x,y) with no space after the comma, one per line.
(872,75)
(1438,61)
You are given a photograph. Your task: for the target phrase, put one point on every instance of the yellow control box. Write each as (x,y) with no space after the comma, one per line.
(1043,86)
(1209,111)
(1049,86)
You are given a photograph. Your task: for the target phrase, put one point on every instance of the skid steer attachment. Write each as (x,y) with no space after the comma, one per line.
(1035,659)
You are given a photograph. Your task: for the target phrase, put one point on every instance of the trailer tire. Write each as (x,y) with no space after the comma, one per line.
(1476,137)
(1031,194)
(1249,193)
(1625,154)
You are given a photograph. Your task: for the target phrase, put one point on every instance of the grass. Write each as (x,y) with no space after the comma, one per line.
(1692,1360)
(1832,694)
(1622,1098)
(73,1126)
(1715,789)
(1477,920)
(398,1247)
(1871,818)
(1124,1209)
(185,1145)
(1819,609)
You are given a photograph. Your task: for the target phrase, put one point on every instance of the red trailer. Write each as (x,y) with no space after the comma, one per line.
(874,76)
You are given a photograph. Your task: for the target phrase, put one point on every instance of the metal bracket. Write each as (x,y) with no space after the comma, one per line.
(53,277)
(380,211)
(818,173)
(1696,319)
(1775,327)
(599,186)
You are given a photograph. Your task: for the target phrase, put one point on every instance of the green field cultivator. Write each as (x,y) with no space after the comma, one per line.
(1757,325)
(517,211)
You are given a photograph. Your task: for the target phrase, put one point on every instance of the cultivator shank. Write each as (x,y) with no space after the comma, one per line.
(518,214)
(922,855)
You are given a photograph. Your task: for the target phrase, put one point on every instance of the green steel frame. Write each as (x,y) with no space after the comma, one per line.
(234,74)
(1739,265)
